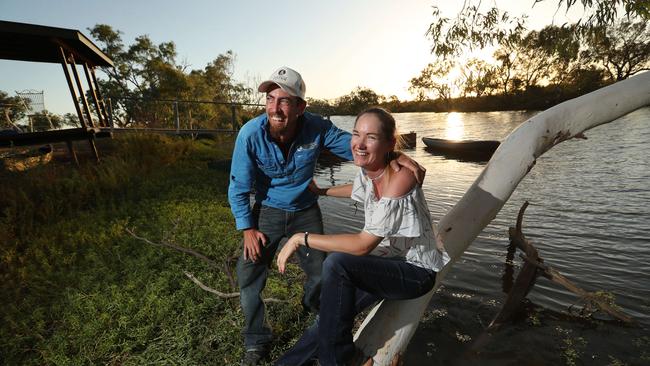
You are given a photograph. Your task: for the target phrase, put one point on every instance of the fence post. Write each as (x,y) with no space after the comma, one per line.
(234,117)
(177,118)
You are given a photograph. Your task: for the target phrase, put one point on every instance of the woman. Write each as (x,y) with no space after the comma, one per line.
(395,256)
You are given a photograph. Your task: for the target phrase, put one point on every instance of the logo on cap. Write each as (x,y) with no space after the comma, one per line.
(282,72)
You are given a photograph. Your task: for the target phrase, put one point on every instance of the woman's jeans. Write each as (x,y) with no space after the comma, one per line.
(350,284)
(251,277)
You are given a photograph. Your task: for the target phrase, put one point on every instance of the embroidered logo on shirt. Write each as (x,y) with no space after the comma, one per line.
(309,146)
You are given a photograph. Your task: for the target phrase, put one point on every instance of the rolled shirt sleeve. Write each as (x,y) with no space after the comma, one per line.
(242,177)
(338,141)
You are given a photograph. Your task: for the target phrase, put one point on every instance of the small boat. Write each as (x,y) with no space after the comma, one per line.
(486,146)
(25,158)
(470,150)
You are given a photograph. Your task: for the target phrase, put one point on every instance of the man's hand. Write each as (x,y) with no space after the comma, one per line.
(404,161)
(252,240)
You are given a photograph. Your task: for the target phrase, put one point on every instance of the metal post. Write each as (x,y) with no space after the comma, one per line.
(82,95)
(93,94)
(73,92)
(73,154)
(177,118)
(99,97)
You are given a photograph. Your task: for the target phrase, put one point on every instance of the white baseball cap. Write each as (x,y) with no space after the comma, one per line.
(288,80)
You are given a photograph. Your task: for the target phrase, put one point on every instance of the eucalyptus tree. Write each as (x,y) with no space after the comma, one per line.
(357,100)
(622,50)
(12,109)
(473,27)
(478,78)
(147,79)
(44,121)
(433,82)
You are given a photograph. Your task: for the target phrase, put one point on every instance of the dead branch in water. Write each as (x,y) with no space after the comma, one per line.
(534,266)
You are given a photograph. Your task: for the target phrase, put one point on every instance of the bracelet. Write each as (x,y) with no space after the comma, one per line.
(306,236)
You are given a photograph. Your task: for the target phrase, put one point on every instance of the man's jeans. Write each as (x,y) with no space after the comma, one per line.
(251,276)
(351,284)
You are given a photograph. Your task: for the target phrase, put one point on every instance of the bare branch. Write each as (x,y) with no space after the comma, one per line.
(223,295)
(175,247)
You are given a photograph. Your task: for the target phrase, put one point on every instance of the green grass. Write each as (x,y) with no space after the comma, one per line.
(76,288)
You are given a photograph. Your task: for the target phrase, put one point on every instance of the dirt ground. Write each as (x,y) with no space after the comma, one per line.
(453,333)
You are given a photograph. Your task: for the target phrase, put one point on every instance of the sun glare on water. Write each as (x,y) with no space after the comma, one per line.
(455,128)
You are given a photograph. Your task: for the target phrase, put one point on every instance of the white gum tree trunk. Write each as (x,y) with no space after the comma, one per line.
(387,330)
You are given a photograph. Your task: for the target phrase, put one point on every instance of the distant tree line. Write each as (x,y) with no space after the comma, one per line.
(531,70)
(146,73)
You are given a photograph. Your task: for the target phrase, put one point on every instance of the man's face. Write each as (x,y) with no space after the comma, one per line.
(283,110)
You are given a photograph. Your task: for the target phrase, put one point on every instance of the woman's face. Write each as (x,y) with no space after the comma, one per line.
(369,145)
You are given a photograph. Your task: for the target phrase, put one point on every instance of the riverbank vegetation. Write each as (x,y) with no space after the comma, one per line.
(76,288)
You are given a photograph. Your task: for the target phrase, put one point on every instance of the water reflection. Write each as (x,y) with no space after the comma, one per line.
(589,215)
(455,129)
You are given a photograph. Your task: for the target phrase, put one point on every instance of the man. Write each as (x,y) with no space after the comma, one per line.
(275,154)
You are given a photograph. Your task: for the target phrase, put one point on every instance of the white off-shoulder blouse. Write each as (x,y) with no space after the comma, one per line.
(404,223)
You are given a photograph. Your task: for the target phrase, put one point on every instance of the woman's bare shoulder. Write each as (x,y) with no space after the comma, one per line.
(401,183)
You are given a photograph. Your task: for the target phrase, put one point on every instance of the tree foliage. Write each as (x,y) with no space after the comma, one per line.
(563,60)
(357,100)
(622,51)
(44,121)
(12,109)
(147,76)
(431,81)
(473,27)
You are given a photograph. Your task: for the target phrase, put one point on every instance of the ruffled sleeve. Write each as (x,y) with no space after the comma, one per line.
(394,217)
(359,188)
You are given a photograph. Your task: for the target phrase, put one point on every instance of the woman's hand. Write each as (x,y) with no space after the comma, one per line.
(315,189)
(290,247)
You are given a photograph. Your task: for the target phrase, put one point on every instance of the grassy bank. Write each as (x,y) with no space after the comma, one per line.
(77,288)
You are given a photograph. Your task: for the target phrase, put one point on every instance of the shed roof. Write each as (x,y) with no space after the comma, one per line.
(39,43)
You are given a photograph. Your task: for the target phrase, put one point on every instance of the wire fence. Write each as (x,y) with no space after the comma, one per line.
(179,114)
(34,100)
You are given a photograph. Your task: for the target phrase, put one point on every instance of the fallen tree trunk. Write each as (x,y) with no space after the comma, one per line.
(534,266)
(388,328)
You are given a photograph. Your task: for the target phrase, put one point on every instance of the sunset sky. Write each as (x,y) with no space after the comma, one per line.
(336,45)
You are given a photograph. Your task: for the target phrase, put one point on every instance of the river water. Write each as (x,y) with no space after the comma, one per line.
(589,213)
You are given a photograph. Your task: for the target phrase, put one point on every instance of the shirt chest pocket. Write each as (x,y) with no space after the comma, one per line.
(270,167)
(306,156)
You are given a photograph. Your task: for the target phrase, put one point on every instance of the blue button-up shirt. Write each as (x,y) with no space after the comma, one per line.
(258,162)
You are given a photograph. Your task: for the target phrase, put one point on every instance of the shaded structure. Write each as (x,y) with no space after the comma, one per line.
(73,50)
